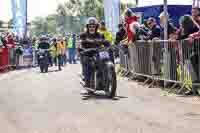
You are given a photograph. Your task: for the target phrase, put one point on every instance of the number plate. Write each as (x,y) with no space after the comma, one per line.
(42,50)
(104,55)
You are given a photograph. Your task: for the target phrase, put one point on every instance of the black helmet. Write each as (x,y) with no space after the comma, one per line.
(102,23)
(128,13)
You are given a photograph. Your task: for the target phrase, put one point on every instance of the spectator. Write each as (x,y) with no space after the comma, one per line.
(139,31)
(120,35)
(72,48)
(10,41)
(171,29)
(103,30)
(154,28)
(1,42)
(188,26)
(171,69)
(130,18)
(155,34)
(196,14)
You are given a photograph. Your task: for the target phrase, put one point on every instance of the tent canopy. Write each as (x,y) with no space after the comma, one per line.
(142,3)
(175,12)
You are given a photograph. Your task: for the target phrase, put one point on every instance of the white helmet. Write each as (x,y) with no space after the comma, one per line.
(92,21)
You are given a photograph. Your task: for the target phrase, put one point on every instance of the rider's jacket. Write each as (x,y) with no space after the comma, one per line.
(86,43)
(43,45)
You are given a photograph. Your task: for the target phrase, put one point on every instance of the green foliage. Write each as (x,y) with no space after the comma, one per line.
(62,20)
(1,23)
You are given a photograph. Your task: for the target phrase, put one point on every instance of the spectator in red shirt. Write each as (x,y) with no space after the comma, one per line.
(10,41)
(129,19)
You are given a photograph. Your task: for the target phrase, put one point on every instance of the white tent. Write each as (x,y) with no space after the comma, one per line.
(160,2)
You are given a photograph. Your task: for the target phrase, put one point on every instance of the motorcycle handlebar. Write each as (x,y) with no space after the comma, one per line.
(45,50)
(84,51)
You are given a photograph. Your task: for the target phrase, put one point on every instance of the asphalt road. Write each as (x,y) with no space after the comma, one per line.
(31,102)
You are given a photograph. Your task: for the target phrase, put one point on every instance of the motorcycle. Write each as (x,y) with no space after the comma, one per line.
(103,75)
(43,55)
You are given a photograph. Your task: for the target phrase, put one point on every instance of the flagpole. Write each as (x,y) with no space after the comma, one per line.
(25,34)
(166,58)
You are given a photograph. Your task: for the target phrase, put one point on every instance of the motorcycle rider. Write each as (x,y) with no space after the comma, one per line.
(43,44)
(90,39)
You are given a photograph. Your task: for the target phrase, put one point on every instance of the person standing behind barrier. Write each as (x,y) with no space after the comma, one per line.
(154,28)
(155,34)
(65,50)
(103,30)
(72,49)
(196,14)
(57,53)
(171,60)
(11,45)
(171,28)
(188,28)
(130,18)
(120,35)
(63,47)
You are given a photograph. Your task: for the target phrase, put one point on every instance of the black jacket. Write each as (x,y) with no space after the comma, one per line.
(120,35)
(92,44)
(171,29)
(44,45)
(155,32)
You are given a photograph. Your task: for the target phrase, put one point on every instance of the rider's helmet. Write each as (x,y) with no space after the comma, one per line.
(92,21)
(43,38)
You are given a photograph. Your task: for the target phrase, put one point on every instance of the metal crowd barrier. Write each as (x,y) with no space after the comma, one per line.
(176,62)
(9,59)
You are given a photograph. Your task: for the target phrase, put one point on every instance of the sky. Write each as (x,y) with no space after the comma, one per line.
(45,7)
(35,8)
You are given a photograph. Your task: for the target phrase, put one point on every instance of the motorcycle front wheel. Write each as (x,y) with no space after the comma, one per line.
(110,82)
(41,68)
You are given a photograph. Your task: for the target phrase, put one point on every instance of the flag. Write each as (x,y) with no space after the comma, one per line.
(112,14)
(19,13)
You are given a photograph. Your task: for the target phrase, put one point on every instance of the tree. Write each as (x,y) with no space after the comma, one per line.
(82,8)
(68,13)
(1,23)
(10,23)
(124,6)
(88,8)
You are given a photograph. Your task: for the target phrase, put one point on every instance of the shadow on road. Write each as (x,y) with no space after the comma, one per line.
(102,97)
(52,71)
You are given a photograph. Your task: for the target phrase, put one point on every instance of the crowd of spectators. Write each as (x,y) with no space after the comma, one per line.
(151,29)
(183,42)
